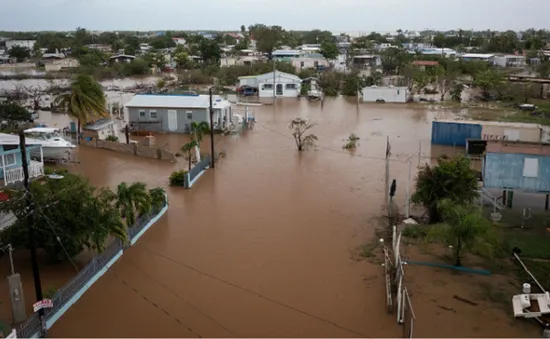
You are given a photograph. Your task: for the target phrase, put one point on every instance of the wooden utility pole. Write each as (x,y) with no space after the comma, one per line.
(212,160)
(32,240)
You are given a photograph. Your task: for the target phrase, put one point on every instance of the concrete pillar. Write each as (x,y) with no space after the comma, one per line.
(546,202)
(17,298)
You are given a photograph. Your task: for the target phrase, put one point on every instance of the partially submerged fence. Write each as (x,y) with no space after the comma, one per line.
(66,296)
(194,174)
(394,266)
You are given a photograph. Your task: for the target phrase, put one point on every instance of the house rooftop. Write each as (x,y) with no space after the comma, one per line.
(492,123)
(425,63)
(122,56)
(12,139)
(283,52)
(174,101)
(477,55)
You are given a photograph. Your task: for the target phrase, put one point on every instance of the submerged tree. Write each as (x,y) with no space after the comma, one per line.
(451,179)
(132,199)
(187,150)
(352,141)
(464,228)
(198,130)
(299,127)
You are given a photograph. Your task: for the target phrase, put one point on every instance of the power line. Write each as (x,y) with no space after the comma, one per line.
(244,289)
(181,298)
(160,308)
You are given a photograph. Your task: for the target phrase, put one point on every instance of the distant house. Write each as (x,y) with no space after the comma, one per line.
(11,170)
(517,166)
(510,60)
(175,113)
(101,129)
(121,58)
(477,57)
(286,85)
(385,94)
(425,64)
(366,61)
(286,54)
(20,43)
(99,47)
(179,41)
(315,61)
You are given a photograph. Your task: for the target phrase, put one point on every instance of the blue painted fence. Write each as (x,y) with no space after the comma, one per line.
(454,133)
(69,294)
(197,171)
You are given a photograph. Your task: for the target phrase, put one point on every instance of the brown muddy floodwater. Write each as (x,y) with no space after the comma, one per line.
(264,245)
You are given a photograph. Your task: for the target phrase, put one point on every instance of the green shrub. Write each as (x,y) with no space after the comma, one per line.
(177,178)
(49,292)
(112,138)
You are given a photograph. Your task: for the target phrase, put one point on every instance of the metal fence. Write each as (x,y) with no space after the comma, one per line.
(32,325)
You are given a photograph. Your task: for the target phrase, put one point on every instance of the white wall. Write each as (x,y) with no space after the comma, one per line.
(300,63)
(265,90)
(23,43)
(388,94)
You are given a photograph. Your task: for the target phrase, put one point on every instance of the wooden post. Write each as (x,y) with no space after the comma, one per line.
(546,203)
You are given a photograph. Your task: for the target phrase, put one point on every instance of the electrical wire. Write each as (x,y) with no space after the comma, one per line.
(244,289)
(181,298)
(152,303)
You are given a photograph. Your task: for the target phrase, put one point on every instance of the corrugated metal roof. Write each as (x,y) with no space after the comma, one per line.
(12,139)
(175,101)
(492,123)
(99,124)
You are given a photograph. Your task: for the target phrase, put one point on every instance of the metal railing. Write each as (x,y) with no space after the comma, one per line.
(15,174)
(32,325)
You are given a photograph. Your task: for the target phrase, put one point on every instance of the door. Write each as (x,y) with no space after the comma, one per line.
(279,89)
(172,120)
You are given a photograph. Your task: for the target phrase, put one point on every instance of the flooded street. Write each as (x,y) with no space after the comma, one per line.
(262,246)
(267,243)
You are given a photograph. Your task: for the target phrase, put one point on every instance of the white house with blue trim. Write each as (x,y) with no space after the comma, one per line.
(11,166)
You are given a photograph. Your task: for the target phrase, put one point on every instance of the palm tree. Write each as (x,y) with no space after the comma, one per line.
(158,198)
(85,102)
(198,130)
(464,228)
(132,199)
(108,220)
(187,149)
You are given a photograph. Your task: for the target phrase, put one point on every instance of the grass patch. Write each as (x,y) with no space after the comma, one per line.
(540,269)
(416,231)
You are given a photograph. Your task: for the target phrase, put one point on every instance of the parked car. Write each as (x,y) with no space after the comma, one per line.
(246,90)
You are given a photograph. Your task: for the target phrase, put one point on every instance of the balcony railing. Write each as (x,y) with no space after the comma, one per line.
(13,175)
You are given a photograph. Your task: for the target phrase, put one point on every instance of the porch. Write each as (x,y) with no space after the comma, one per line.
(14,174)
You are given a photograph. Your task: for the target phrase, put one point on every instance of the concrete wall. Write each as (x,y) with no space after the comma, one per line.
(506,170)
(511,132)
(135,149)
(265,90)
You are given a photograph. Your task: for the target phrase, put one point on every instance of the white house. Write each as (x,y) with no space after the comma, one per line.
(308,62)
(385,94)
(510,60)
(280,84)
(21,43)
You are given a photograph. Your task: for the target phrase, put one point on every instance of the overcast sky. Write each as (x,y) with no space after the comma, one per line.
(333,15)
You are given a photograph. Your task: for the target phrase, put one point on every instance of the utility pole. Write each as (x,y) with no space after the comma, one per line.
(212,160)
(274,71)
(387,176)
(408,207)
(32,241)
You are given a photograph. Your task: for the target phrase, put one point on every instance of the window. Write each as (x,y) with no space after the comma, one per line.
(290,86)
(153,115)
(10,147)
(302,64)
(9,158)
(141,115)
(267,86)
(189,115)
(531,168)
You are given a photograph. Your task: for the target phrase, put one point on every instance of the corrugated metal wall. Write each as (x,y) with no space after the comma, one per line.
(454,133)
(502,170)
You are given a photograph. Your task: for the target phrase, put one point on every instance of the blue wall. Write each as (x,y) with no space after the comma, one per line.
(454,133)
(18,162)
(503,170)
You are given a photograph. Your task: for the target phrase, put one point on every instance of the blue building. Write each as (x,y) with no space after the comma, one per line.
(11,170)
(517,166)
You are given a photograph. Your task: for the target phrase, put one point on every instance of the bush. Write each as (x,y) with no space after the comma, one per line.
(112,138)
(177,178)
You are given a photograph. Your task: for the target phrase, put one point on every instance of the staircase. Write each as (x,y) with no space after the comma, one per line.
(486,195)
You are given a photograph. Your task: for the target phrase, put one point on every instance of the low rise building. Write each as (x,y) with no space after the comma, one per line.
(385,94)
(101,129)
(510,60)
(175,113)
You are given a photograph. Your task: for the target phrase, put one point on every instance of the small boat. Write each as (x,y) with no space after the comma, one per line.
(54,147)
(314,92)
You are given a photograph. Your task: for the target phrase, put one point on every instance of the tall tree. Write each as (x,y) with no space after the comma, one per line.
(85,102)
(20,53)
(210,52)
(267,38)
(198,130)
(464,228)
(187,150)
(329,51)
(131,200)
(451,179)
